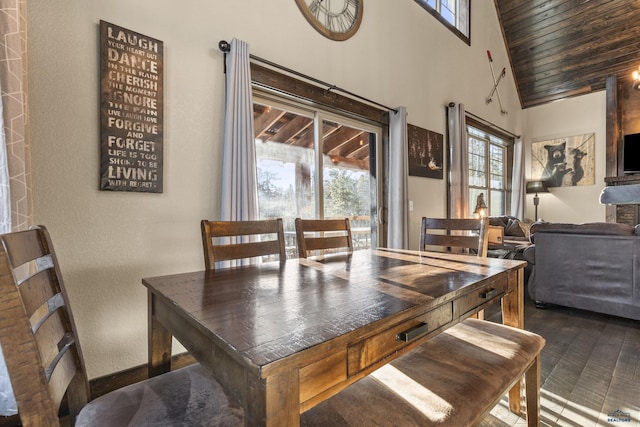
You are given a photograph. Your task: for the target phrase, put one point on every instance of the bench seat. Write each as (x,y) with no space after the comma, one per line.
(454,379)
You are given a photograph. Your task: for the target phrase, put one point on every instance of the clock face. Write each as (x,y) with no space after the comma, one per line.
(335,19)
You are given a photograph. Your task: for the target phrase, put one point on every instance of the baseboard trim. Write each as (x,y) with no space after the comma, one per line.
(104,385)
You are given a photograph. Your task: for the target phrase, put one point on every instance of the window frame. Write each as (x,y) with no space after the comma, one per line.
(293,87)
(508,145)
(461,6)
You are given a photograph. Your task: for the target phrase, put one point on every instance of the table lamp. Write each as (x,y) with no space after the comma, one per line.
(481,206)
(535,187)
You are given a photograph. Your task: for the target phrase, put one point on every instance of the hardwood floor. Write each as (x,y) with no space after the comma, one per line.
(590,369)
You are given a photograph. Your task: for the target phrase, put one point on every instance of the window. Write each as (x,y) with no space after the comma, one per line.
(315,164)
(488,170)
(454,14)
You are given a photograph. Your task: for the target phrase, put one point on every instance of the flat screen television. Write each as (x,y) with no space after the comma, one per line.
(631,154)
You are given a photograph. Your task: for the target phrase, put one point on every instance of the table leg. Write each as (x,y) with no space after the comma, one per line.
(513,302)
(276,399)
(159,342)
(513,315)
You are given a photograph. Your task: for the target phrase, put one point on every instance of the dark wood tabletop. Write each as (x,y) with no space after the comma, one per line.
(284,336)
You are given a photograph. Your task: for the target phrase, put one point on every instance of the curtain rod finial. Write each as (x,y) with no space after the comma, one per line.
(224,46)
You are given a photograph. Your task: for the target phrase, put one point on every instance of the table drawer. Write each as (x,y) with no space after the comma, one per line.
(322,375)
(472,300)
(365,353)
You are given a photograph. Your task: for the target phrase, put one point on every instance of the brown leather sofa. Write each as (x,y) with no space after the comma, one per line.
(593,266)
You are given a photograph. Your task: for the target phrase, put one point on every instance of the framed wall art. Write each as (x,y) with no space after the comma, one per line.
(568,161)
(131,110)
(425,152)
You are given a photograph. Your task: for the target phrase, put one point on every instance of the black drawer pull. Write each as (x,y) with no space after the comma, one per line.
(412,333)
(489,294)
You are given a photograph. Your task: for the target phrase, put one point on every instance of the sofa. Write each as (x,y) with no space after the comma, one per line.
(514,229)
(593,266)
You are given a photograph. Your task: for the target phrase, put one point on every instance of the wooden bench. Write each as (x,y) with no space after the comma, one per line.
(454,379)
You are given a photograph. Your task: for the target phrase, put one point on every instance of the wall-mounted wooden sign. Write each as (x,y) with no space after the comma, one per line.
(131,110)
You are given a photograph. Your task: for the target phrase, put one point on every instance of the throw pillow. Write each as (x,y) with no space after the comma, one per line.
(514,228)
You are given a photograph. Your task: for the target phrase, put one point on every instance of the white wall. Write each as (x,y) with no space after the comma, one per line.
(570,117)
(108,241)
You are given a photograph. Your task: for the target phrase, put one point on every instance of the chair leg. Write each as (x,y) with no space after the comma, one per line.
(532,385)
(479,315)
(515,405)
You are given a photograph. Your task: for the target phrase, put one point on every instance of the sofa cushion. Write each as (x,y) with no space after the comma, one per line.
(513,227)
(594,228)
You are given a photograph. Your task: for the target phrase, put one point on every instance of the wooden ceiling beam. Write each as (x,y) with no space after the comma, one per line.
(292,129)
(265,121)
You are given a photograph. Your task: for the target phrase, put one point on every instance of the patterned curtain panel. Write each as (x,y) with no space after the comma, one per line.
(13,82)
(15,159)
(5,194)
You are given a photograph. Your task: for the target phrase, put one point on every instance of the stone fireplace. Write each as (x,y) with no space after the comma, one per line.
(623,192)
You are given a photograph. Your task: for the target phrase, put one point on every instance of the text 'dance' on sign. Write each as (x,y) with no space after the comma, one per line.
(131,110)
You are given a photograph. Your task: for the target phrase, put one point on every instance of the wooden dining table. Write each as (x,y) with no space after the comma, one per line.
(283,336)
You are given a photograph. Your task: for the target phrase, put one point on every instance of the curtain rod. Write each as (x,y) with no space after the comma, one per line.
(226,47)
(480,119)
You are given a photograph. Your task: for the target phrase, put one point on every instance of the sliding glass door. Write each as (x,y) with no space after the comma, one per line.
(316,164)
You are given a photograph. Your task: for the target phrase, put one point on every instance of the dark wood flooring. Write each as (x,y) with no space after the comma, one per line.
(590,369)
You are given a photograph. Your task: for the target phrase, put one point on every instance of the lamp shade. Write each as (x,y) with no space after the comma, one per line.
(537,187)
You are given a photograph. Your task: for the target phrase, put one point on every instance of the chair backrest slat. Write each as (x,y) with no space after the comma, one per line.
(245,250)
(245,230)
(63,374)
(455,233)
(37,330)
(22,248)
(334,234)
(36,291)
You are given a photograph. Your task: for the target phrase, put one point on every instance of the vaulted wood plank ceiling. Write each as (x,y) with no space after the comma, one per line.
(563,48)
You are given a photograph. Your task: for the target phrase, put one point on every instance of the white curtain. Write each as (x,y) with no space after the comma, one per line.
(458,162)
(517,181)
(239,188)
(239,200)
(398,218)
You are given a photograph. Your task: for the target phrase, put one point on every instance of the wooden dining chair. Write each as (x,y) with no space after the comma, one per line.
(45,361)
(464,234)
(247,230)
(468,235)
(323,234)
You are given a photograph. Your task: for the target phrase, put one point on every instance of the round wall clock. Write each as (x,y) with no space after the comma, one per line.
(335,19)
